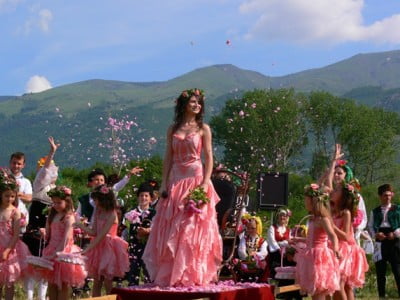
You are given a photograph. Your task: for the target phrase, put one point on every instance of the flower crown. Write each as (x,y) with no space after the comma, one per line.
(192,92)
(7,180)
(284,211)
(61,192)
(104,189)
(313,190)
(341,163)
(352,188)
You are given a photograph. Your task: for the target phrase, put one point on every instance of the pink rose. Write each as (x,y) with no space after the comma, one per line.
(67,191)
(350,188)
(314,186)
(104,189)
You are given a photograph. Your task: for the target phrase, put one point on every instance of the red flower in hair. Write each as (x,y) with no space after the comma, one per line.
(341,163)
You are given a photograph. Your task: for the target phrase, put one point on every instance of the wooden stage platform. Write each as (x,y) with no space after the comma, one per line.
(220,291)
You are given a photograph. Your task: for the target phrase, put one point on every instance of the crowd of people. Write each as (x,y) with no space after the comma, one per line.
(172,238)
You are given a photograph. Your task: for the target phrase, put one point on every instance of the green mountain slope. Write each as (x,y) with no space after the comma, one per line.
(373,69)
(76,114)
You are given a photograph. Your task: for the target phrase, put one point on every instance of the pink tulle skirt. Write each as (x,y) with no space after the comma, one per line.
(109,258)
(63,273)
(15,266)
(345,260)
(317,271)
(359,266)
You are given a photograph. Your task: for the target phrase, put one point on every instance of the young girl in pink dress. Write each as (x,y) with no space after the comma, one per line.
(344,200)
(185,247)
(354,261)
(12,250)
(107,253)
(317,265)
(59,234)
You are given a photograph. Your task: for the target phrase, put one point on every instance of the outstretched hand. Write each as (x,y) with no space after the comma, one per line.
(338,152)
(136,170)
(53,145)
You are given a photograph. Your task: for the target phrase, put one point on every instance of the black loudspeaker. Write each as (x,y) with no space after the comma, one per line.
(226,190)
(272,190)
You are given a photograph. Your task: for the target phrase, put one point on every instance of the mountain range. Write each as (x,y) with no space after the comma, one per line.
(76,114)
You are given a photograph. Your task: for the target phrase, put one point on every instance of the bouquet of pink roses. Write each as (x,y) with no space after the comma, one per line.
(196,200)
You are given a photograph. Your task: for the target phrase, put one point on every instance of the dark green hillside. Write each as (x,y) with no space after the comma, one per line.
(373,69)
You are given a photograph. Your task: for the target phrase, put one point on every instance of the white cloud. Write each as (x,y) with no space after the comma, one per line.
(37,84)
(40,19)
(45,17)
(301,21)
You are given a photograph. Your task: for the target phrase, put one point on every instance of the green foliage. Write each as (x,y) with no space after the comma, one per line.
(263,128)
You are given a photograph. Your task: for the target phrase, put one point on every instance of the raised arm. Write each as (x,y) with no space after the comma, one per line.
(208,156)
(45,175)
(53,149)
(329,178)
(124,181)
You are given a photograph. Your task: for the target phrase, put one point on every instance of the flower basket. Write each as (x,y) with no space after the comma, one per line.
(40,262)
(289,272)
(71,258)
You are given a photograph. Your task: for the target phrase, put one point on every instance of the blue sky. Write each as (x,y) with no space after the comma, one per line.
(50,43)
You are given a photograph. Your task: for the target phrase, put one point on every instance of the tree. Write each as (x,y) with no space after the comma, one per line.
(262,130)
(371,138)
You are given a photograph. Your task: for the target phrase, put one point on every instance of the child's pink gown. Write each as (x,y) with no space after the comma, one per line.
(184,248)
(12,268)
(109,258)
(70,274)
(359,264)
(317,269)
(345,266)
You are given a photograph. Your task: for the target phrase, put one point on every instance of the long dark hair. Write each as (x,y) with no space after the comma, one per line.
(180,108)
(105,197)
(63,193)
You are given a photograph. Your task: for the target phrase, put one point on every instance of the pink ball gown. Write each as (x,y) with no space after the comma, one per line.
(317,269)
(109,258)
(70,274)
(184,248)
(12,268)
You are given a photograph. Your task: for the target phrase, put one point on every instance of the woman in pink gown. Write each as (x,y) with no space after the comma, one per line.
(185,247)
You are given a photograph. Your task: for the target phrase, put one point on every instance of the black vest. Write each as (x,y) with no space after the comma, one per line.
(86,207)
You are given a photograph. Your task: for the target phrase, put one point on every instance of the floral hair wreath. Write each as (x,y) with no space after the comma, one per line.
(7,180)
(313,190)
(353,190)
(104,190)
(344,165)
(192,92)
(61,192)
